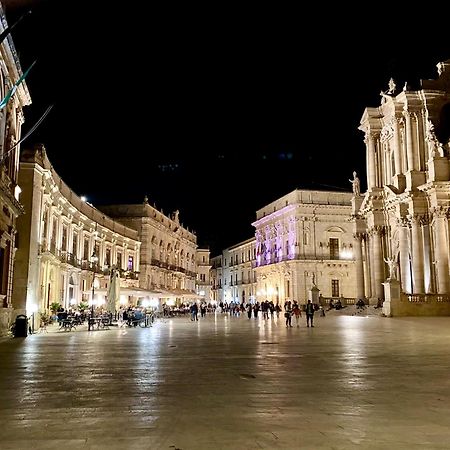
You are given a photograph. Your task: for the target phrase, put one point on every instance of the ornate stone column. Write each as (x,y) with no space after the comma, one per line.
(366,266)
(410,141)
(428,272)
(371,166)
(405,266)
(417,257)
(378,261)
(396,148)
(441,250)
(359,266)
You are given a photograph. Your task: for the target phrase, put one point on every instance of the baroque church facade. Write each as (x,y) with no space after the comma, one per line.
(401,224)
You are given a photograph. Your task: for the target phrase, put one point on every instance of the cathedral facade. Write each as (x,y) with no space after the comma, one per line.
(401,224)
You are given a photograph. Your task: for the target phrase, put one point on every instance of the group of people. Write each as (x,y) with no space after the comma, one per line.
(268,310)
(293,309)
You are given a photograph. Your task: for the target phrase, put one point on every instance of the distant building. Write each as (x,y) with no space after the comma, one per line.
(402,221)
(203,283)
(304,240)
(216,279)
(168,263)
(238,281)
(11,120)
(66,245)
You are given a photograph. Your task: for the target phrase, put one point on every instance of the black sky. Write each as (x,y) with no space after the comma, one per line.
(212,111)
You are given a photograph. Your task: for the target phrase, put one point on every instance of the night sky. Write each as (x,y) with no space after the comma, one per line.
(212,111)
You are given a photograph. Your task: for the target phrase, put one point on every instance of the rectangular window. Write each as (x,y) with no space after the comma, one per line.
(130,265)
(64,239)
(288,288)
(75,245)
(3,272)
(86,249)
(108,257)
(334,248)
(203,259)
(44,230)
(54,231)
(335,288)
(119,260)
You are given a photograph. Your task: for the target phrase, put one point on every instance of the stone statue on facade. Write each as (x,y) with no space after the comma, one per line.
(175,216)
(392,86)
(436,148)
(355,184)
(392,263)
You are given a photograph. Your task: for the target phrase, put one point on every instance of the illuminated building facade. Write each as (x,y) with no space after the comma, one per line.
(168,263)
(11,120)
(203,283)
(402,221)
(305,240)
(216,279)
(239,277)
(66,245)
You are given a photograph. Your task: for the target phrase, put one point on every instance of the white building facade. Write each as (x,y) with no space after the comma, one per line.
(216,279)
(203,285)
(305,240)
(66,245)
(11,120)
(168,265)
(402,221)
(238,283)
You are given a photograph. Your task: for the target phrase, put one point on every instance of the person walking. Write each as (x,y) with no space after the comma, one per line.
(194,312)
(288,314)
(297,313)
(309,313)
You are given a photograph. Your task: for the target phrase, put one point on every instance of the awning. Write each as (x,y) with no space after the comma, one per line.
(185,293)
(134,291)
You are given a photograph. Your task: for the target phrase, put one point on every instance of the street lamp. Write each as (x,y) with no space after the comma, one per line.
(94,260)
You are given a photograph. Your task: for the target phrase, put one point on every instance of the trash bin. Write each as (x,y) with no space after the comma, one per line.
(21,328)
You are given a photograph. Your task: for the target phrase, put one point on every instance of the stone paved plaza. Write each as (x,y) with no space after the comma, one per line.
(230,383)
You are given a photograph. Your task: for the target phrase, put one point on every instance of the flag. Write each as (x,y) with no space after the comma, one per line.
(11,92)
(8,30)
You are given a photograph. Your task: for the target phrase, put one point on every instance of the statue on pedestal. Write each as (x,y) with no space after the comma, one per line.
(392,263)
(355,184)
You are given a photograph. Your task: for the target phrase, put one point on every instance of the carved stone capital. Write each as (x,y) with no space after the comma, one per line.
(376,230)
(440,212)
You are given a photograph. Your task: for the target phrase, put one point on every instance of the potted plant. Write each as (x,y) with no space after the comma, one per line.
(54,308)
(82,307)
(45,319)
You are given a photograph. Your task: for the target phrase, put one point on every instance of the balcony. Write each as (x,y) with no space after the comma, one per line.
(311,257)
